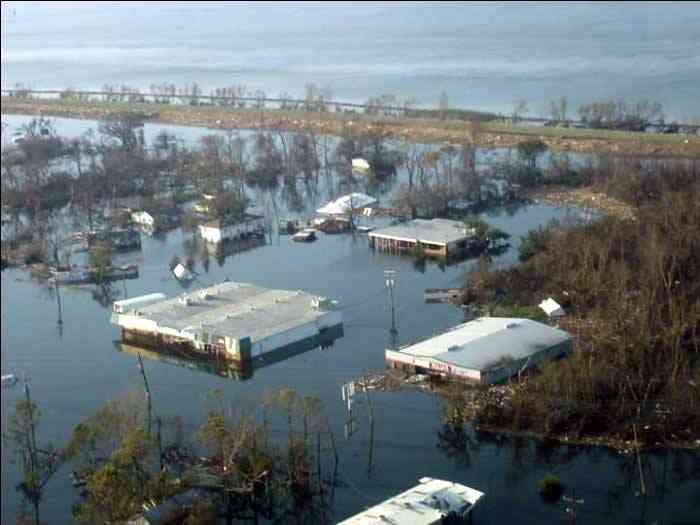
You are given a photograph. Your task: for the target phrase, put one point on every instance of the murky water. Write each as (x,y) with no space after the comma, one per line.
(76,368)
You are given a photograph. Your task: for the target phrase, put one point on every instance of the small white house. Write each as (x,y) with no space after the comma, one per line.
(552,308)
(222,231)
(143,218)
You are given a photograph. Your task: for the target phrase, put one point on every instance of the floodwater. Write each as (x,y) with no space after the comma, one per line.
(484,55)
(75,368)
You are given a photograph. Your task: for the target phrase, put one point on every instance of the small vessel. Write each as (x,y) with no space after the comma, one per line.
(9,380)
(182,274)
(307,235)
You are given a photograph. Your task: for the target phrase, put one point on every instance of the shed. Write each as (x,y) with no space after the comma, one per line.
(182,273)
(552,308)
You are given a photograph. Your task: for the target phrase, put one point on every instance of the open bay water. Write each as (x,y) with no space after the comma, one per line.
(484,55)
(74,370)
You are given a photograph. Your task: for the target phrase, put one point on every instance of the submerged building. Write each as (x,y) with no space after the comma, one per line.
(436,237)
(229,229)
(236,321)
(428,503)
(486,350)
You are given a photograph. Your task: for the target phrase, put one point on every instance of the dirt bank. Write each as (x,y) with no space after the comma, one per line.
(433,131)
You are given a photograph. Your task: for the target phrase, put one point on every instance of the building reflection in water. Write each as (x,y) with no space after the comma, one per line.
(231,369)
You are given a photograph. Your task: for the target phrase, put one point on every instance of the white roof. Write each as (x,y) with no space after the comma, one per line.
(236,310)
(552,308)
(126,304)
(424,504)
(346,203)
(360,164)
(434,231)
(481,343)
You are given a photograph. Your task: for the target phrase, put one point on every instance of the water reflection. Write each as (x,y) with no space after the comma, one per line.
(183,358)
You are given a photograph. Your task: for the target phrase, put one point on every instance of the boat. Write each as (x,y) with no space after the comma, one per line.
(9,380)
(364,229)
(182,274)
(307,235)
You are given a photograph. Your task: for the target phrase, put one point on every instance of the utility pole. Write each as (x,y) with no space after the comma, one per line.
(348,395)
(148,396)
(370,413)
(573,502)
(33,487)
(390,276)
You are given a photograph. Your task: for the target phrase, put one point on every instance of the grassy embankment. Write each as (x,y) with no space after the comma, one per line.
(491,134)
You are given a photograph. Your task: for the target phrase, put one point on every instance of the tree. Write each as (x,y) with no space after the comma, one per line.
(519,109)
(101,260)
(558,109)
(37,463)
(443,105)
(122,128)
(530,150)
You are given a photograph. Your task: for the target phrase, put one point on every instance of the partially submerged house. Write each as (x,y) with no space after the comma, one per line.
(230,229)
(119,239)
(350,204)
(428,503)
(235,321)
(143,218)
(435,237)
(486,350)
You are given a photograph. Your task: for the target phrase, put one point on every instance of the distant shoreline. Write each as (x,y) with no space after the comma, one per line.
(489,135)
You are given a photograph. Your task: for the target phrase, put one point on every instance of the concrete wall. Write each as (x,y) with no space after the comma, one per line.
(430,366)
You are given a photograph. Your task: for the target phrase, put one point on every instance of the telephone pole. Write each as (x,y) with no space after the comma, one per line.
(148,395)
(390,277)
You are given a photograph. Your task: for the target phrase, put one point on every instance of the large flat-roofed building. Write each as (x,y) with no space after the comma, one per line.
(441,237)
(487,350)
(236,321)
(428,503)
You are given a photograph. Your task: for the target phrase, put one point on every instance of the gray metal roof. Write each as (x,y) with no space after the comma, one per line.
(234,309)
(482,343)
(434,231)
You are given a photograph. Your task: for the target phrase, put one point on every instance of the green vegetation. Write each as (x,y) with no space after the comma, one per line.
(550,488)
(123,458)
(631,289)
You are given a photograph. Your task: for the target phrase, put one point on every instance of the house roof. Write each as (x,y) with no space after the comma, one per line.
(480,344)
(234,309)
(434,231)
(347,203)
(423,504)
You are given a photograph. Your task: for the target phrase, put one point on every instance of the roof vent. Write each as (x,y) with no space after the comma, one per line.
(453,348)
(512,325)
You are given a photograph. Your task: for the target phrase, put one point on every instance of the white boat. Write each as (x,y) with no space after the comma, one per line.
(308,235)
(9,380)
